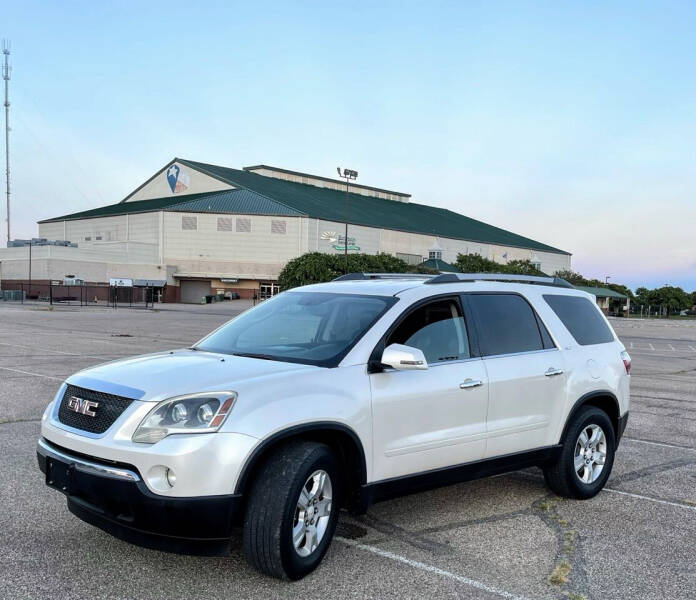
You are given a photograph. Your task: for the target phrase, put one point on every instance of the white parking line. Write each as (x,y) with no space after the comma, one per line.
(694,349)
(48,350)
(613,491)
(671,347)
(638,496)
(631,345)
(432,569)
(663,444)
(651,346)
(32,374)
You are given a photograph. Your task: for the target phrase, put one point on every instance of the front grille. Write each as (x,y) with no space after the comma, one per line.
(109,409)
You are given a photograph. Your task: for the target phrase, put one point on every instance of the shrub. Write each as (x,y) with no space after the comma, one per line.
(317,267)
(475,263)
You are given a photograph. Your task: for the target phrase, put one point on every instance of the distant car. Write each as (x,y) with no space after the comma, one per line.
(340,395)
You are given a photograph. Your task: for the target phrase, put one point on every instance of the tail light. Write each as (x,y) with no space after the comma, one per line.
(626,358)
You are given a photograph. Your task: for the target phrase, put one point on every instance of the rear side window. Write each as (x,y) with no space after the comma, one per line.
(506,324)
(581,318)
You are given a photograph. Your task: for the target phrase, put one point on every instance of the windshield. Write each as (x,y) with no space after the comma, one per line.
(308,327)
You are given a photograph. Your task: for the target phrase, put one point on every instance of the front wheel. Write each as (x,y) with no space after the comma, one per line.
(586,458)
(292,511)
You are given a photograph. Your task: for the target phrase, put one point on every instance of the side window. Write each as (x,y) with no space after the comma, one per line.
(437,328)
(506,324)
(581,318)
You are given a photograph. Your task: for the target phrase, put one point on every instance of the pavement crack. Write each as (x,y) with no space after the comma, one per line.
(412,538)
(478,521)
(652,470)
(569,574)
(11,421)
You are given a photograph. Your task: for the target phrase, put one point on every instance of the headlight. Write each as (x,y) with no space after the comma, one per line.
(195,413)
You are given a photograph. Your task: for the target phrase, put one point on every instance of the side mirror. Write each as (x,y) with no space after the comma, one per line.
(403,358)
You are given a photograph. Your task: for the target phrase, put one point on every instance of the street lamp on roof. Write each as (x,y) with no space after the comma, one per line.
(607,278)
(349,175)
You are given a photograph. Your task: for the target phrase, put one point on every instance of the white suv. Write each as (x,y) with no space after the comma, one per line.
(340,395)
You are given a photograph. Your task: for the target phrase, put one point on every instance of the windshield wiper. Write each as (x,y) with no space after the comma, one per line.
(254,355)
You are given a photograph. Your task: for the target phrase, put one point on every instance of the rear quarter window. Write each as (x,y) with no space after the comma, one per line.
(581,318)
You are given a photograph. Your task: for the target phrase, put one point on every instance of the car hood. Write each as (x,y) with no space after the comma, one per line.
(154,377)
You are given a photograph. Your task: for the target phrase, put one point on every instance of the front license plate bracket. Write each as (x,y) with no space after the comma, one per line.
(59,475)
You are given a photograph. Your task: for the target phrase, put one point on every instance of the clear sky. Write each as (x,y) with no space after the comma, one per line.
(569,122)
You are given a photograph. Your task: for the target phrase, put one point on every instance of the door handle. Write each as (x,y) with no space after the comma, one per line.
(550,372)
(470,383)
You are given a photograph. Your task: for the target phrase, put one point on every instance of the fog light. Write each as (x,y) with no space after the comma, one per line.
(171,477)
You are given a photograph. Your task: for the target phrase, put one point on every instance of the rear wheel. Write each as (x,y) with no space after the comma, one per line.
(292,510)
(586,458)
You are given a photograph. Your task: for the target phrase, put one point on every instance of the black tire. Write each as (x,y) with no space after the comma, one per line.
(561,476)
(270,512)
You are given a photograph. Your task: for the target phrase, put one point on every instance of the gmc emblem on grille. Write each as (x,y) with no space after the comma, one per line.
(80,405)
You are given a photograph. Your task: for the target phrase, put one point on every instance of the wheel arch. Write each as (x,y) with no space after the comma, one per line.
(602,399)
(339,437)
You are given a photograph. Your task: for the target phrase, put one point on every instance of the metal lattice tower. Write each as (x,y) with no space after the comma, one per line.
(6,70)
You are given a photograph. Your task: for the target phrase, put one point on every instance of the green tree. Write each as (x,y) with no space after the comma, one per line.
(642,296)
(572,277)
(475,263)
(523,267)
(674,298)
(666,297)
(317,267)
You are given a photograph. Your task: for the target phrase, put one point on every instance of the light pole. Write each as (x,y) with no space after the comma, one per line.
(349,175)
(607,278)
(29,267)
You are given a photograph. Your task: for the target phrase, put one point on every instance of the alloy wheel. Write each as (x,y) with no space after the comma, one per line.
(312,513)
(590,453)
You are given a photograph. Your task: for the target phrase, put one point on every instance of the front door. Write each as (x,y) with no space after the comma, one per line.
(527,383)
(434,418)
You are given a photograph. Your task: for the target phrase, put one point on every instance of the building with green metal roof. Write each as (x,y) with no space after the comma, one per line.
(234,229)
(610,301)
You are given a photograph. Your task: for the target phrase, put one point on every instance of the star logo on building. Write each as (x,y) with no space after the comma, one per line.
(177,179)
(173,176)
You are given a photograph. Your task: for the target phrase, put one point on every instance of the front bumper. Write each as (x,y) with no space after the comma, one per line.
(113,497)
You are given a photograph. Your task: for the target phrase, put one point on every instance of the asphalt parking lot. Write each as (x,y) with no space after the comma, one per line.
(505,537)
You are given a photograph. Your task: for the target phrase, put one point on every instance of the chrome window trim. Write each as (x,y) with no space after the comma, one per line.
(521,353)
(442,363)
(44,448)
(473,358)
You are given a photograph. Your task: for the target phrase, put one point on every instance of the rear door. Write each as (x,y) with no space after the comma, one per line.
(434,418)
(525,370)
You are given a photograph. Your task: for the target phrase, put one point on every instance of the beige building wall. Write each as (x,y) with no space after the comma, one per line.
(52,231)
(92,233)
(55,263)
(229,240)
(373,240)
(169,245)
(189,181)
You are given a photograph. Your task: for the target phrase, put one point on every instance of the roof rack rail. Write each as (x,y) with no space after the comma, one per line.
(365,276)
(459,277)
